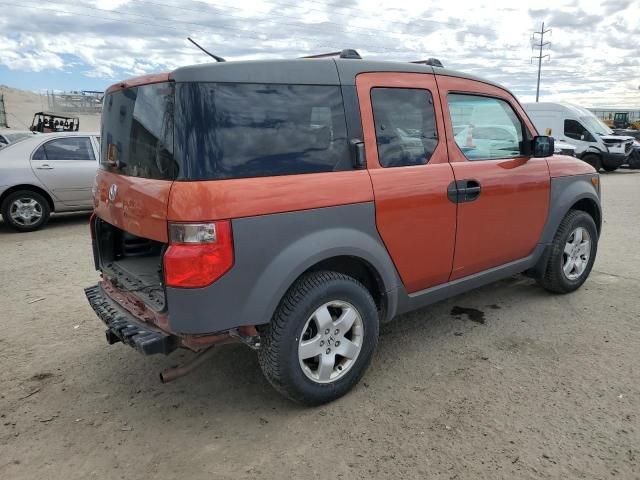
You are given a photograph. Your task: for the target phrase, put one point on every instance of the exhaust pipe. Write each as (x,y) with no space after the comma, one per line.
(171,374)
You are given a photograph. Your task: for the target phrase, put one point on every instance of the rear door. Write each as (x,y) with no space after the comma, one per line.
(503,192)
(67,167)
(406,156)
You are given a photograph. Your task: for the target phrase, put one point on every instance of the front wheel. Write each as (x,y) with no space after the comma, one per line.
(593,160)
(321,338)
(25,210)
(573,252)
(634,159)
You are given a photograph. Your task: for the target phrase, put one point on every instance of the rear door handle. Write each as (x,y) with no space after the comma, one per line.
(463,191)
(44,166)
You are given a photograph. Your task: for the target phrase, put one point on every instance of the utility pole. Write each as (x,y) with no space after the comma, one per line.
(540,45)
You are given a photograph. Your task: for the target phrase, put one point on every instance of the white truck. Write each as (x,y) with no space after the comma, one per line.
(595,142)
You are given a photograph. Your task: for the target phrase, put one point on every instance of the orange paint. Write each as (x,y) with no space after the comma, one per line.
(139,206)
(506,221)
(138,81)
(246,197)
(414,217)
(563,166)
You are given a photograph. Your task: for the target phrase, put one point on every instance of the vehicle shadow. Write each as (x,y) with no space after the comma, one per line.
(57,221)
(231,384)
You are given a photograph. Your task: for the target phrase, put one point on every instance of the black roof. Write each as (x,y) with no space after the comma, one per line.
(304,71)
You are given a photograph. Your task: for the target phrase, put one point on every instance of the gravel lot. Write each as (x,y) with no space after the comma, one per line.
(547,387)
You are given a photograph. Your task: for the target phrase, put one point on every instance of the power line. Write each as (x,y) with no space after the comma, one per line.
(482,32)
(207,27)
(540,45)
(216,29)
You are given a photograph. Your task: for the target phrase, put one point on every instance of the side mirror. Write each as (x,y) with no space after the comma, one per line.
(357,147)
(543,146)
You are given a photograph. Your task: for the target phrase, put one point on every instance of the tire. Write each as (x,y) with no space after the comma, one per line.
(38,206)
(558,276)
(593,160)
(297,320)
(609,168)
(634,160)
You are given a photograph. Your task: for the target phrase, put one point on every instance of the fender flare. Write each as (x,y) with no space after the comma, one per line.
(301,255)
(565,193)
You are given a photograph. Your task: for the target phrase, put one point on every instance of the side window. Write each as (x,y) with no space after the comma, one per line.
(485,128)
(405,123)
(574,129)
(69,148)
(39,154)
(239,130)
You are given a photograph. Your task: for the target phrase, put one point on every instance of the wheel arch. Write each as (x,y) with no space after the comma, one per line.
(588,205)
(33,188)
(571,192)
(361,270)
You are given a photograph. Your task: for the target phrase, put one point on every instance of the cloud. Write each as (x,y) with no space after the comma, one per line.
(594,52)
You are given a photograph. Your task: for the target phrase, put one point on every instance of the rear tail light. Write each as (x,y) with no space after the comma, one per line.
(198,254)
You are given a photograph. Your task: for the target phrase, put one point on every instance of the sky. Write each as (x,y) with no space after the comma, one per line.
(594,55)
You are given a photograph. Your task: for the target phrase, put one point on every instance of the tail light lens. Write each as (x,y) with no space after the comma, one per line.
(198,254)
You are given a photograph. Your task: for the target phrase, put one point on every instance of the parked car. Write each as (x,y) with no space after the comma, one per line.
(564,148)
(595,142)
(634,159)
(9,135)
(294,205)
(45,173)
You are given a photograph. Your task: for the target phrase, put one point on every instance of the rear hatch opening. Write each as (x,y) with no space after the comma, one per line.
(133,264)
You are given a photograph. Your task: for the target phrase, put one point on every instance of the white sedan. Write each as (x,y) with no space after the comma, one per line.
(46,173)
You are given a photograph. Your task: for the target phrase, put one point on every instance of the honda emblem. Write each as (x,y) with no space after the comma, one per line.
(113,191)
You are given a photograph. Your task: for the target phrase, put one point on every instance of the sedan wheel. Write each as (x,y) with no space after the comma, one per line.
(25,210)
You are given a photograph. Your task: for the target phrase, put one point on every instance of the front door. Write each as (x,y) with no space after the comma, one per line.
(502,192)
(406,156)
(67,166)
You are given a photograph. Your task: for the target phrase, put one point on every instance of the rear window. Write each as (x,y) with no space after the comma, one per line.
(137,128)
(226,130)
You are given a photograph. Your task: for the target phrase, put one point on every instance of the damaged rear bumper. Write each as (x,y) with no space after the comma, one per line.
(124,327)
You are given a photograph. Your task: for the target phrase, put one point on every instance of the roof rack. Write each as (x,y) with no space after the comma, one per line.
(349,53)
(433,62)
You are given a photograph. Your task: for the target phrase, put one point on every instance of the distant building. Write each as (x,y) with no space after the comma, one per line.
(606,113)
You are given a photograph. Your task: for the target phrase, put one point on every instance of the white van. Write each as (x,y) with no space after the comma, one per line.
(595,142)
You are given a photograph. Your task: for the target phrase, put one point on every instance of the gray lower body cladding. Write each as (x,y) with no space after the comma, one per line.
(271,252)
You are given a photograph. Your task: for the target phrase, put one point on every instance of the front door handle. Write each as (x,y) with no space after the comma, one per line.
(463,191)
(44,166)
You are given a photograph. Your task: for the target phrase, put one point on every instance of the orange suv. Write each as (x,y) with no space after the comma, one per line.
(294,205)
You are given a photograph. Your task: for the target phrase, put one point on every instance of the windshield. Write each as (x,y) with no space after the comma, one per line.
(595,125)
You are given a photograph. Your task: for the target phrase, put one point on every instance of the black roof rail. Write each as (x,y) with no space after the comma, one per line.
(346,53)
(434,62)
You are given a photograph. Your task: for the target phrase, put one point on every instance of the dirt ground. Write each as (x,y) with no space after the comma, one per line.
(547,387)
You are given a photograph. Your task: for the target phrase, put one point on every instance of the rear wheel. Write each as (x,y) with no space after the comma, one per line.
(573,252)
(593,160)
(25,210)
(321,338)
